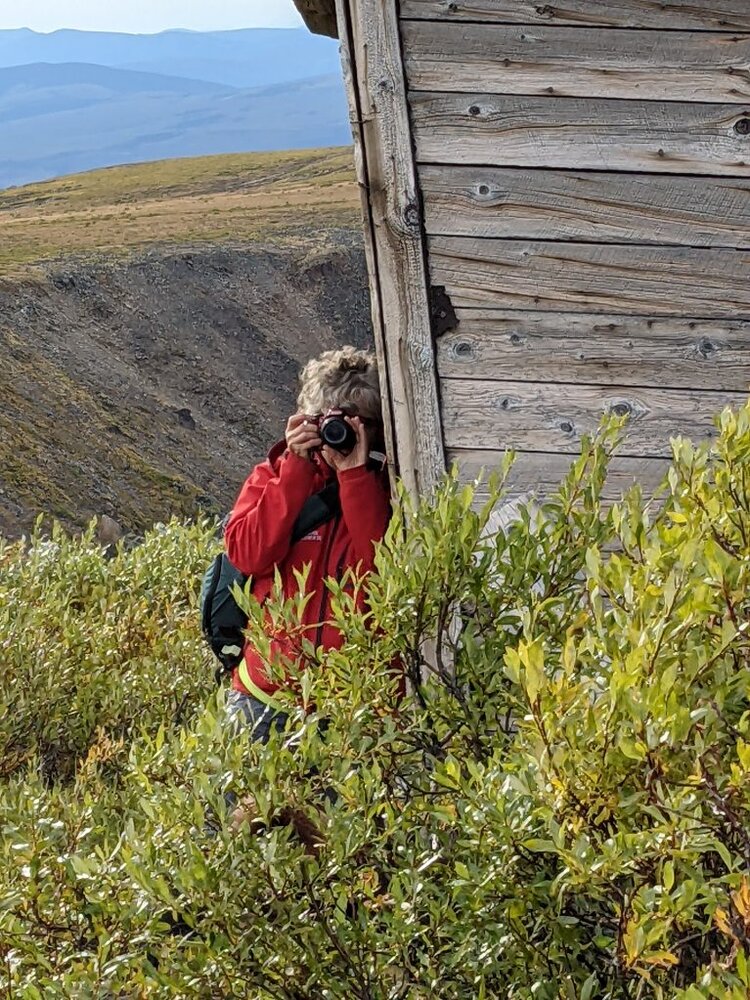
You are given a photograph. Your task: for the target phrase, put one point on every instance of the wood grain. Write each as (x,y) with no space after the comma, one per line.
(577,62)
(360,165)
(540,473)
(590,277)
(319,16)
(396,258)
(601,349)
(698,15)
(571,132)
(590,206)
(538,416)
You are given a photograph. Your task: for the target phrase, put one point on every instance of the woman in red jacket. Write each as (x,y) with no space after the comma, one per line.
(259,532)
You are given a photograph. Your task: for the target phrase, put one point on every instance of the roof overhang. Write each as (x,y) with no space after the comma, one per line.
(319,16)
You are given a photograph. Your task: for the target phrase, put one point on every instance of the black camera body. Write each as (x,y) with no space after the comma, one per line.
(337,433)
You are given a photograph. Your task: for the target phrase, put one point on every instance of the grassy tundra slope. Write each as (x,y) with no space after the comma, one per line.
(205,199)
(153,319)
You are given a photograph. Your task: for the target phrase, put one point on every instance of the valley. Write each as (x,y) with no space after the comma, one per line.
(152,323)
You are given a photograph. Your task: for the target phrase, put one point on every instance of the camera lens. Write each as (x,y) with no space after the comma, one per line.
(337,434)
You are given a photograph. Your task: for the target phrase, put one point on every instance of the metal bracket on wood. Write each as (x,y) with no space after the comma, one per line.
(442,314)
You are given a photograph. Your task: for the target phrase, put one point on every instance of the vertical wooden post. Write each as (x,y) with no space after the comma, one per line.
(394,237)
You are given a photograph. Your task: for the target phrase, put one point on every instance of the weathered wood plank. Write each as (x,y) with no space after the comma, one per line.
(601,349)
(360,164)
(370,36)
(539,416)
(540,473)
(590,277)
(577,62)
(698,15)
(572,132)
(521,203)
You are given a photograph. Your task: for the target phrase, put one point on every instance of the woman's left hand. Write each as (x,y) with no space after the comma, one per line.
(357,456)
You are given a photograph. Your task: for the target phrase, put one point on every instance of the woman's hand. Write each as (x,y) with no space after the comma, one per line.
(302,436)
(357,456)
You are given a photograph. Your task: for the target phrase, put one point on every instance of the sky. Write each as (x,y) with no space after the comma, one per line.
(147,16)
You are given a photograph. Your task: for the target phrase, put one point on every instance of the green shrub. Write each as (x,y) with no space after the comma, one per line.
(559,809)
(94,646)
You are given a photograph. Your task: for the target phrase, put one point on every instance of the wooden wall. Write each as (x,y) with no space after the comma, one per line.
(585,174)
(394,238)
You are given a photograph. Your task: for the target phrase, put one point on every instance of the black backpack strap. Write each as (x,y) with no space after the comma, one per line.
(208,592)
(321,507)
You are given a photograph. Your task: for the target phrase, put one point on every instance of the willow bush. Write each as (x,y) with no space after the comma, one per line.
(558,808)
(94,646)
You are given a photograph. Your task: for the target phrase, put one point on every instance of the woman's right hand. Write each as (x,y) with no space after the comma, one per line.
(302,435)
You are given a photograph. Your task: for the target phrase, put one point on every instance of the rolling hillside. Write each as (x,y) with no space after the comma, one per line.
(50,87)
(236,198)
(152,323)
(61,119)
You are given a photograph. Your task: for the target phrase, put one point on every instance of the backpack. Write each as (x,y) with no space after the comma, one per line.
(222,620)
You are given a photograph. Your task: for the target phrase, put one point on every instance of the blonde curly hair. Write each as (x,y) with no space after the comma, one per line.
(347,378)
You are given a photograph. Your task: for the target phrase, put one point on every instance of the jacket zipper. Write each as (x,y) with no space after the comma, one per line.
(324,595)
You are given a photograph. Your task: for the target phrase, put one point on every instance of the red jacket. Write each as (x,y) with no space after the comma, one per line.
(258,540)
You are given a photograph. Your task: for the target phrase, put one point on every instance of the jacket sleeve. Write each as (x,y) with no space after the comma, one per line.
(259,531)
(366,510)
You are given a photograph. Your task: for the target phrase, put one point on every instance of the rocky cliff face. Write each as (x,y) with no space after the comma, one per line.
(147,388)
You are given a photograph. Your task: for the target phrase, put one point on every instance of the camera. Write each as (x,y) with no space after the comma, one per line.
(336,432)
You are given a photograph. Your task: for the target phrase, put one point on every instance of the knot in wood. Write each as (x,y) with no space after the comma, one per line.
(475,110)
(426,360)
(742,127)
(463,350)
(412,215)
(546,10)
(483,189)
(705,347)
(566,427)
(452,6)
(621,409)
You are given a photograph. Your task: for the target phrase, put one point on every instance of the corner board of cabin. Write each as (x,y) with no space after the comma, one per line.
(557,211)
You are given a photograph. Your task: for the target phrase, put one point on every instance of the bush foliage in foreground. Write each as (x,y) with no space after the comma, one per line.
(561,810)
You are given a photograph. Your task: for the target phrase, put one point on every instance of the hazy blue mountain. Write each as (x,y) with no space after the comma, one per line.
(251,57)
(46,88)
(128,125)
(75,100)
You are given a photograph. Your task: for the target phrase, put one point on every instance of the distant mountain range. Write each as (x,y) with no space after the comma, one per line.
(72,101)
(252,57)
